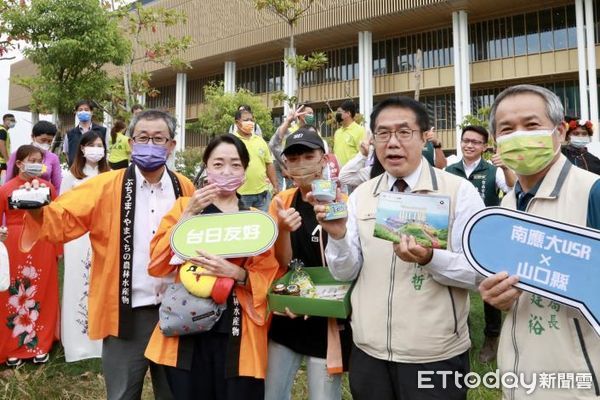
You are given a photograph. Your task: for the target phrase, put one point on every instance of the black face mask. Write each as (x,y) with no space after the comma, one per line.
(338,117)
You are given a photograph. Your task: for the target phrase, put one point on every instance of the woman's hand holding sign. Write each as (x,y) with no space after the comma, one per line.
(218,266)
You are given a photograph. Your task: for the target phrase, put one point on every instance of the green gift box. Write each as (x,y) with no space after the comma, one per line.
(311,306)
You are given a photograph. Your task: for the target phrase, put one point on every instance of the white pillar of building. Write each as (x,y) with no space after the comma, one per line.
(581,61)
(290,84)
(180,108)
(462,79)
(108,123)
(141,99)
(365,75)
(229,77)
(35,117)
(591,65)
(465,63)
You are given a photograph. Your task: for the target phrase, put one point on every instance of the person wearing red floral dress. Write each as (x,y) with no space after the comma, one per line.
(29,308)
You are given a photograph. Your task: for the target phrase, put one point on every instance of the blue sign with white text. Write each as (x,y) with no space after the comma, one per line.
(553,259)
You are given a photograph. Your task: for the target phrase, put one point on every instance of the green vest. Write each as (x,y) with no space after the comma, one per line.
(429,152)
(483,178)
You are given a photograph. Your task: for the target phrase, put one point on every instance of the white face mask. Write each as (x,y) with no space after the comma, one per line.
(43,146)
(580,141)
(93,154)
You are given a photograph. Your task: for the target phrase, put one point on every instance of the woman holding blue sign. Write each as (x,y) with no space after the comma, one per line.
(229,360)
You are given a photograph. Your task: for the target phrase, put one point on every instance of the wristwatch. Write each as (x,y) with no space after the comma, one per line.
(438,145)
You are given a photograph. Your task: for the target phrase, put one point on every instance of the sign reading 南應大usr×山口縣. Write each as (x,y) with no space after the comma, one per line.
(552,259)
(228,235)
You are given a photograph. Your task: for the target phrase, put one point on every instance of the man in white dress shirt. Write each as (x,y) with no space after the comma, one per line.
(410,303)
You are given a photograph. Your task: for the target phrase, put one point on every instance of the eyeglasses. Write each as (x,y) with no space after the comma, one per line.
(467,142)
(155,139)
(402,135)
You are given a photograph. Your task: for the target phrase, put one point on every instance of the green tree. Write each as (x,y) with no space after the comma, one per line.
(480,119)
(70,41)
(144,26)
(219,109)
(290,11)
(7,42)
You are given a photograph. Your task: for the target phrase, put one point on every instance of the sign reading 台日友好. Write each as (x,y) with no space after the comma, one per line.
(228,235)
(552,259)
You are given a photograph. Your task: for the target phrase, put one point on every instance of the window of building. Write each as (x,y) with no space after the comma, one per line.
(262,78)
(541,31)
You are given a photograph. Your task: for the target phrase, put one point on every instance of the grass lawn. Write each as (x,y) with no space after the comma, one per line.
(83,380)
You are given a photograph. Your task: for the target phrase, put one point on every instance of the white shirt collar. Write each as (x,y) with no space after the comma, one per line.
(471,165)
(411,180)
(143,183)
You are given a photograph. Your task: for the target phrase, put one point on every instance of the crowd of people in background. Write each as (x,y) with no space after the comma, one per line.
(112,213)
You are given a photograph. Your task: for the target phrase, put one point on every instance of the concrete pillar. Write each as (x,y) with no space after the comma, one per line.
(365,74)
(458,86)
(35,117)
(290,83)
(108,123)
(581,61)
(591,65)
(180,108)
(229,77)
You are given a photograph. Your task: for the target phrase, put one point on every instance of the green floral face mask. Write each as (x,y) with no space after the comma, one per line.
(309,119)
(527,152)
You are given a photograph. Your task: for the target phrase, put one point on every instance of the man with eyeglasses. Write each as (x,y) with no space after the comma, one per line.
(527,123)
(410,303)
(121,210)
(489,179)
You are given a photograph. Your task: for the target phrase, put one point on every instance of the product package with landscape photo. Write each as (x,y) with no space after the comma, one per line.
(423,216)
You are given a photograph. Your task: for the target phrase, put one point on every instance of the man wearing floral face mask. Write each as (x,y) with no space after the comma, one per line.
(579,134)
(527,122)
(254,191)
(121,210)
(84,110)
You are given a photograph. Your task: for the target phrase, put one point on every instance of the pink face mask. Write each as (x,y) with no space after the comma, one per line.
(227,183)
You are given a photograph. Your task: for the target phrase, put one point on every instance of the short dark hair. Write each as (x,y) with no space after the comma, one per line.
(43,128)
(245,107)
(7,116)
(137,107)
(230,139)
(238,113)
(402,102)
(349,106)
(26,150)
(150,115)
(79,161)
(478,129)
(89,103)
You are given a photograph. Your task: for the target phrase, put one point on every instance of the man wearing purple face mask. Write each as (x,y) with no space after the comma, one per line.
(121,210)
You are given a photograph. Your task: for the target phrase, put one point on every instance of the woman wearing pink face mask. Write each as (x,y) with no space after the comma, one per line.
(221,361)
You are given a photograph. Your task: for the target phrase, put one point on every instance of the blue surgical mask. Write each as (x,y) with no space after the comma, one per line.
(579,141)
(84,116)
(149,157)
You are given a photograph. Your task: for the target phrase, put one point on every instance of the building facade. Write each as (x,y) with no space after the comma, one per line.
(470,50)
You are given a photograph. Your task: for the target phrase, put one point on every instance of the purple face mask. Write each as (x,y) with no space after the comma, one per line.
(148,157)
(227,184)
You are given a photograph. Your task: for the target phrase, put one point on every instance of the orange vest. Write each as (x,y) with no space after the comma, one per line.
(93,207)
(252,297)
